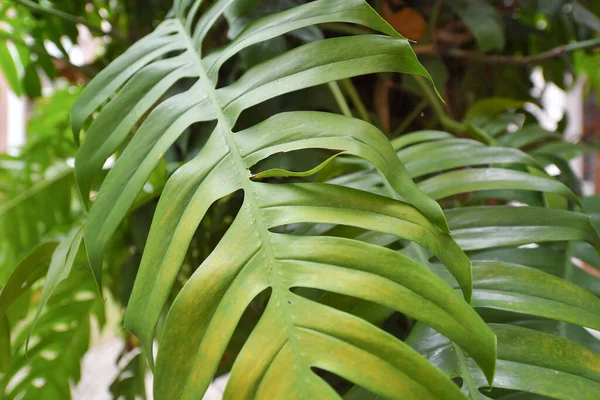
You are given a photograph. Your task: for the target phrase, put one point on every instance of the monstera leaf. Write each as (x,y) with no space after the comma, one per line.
(528,361)
(446,166)
(523,275)
(295,335)
(523,270)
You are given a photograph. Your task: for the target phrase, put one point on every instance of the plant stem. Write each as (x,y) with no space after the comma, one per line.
(463,128)
(67,17)
(410,118)
(556,52)
(435,14)
(356,100)
(340,99)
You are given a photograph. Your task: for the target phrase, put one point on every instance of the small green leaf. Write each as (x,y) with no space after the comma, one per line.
(60,267)
(277,172)
(27,272)
(33,87)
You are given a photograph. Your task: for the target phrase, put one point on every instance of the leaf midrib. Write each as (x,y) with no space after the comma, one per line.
(226,128)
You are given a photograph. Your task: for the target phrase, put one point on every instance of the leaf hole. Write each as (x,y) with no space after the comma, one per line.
(458,381)
(339,384)
(317,98)
(244,328)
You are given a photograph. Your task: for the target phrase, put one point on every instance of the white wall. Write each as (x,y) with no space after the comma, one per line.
(17,113)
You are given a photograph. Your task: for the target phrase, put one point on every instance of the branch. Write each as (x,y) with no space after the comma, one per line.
(556,52)
(414,114)
(356,100)
(340,99)
(68,17)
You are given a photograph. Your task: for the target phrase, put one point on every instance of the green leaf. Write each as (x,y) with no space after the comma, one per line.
(275,24)
(447,157)
(295,334)
(130,384)
(31,82)
(528,361)
(25,274)
(9,68)
(5,349)
(525,136)
(591,206)
(561,149)
(485,109)
(544,257)
(476,228)
(33,211)
(106,82)
(524,290)
(585,17)
(418,137)
(60,268)
(484,22)
(62,337)
(278,172)
(169,119)
(501,123)
(471,180)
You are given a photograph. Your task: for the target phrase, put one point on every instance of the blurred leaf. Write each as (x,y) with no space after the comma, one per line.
(31,82)
(526,136)
(35,210)
(5,349)
(549,7)
(485,109)
(61,338)
(25,274)
(583,16)
(130,383)
(483,20)
(60,268)
(7,65)
(438,71)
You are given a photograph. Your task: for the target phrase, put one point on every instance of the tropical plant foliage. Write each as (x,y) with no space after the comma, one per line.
(251,259)
(252,225)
